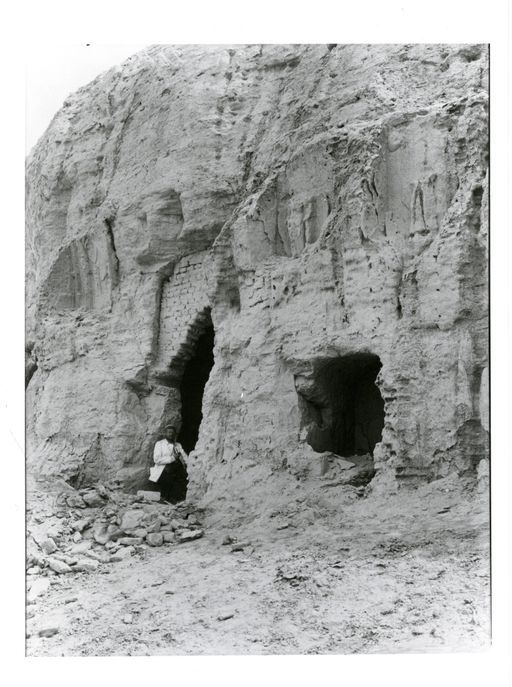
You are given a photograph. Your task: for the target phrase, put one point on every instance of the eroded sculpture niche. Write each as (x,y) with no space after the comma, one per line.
(341,405)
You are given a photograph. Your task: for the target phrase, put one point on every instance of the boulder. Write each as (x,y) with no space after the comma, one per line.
(155,539)
(122,554)
(86,565)
(130,541)
(48,631)
(81,547)
(149,496)
(189,535)
(75,501)
(80,525)
(58,566)
(100,533)
(48,545)
(131,520)
(93,499)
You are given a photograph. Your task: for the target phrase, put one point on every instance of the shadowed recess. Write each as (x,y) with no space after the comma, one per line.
(341,405)
(195,375)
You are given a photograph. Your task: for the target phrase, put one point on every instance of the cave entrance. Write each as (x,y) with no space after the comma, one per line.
(341,405)
(195,375)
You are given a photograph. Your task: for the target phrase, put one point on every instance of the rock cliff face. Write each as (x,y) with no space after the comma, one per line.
(299,231)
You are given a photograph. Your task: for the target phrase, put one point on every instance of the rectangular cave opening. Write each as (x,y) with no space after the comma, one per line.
(341,405)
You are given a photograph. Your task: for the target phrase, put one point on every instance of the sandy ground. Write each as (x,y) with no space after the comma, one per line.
(404,573)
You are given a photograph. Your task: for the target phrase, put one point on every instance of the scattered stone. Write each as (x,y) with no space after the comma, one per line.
(93,499)
(114,532)
(178,524)
(122,554)
(128,619)
(100,533)
(240,546)
(131,520)
(81,547)
(387,611)
(228,539)
(80,525)
(86,565)
(189,535)
(102,491)
(225,616)
(98,556)
(140,532)
(154,527)
(58,566)
(75,501)
(155,539)
(34,570)
(291,575)
(48,631)
(130,541)
(65,558)
(152,496)
(77,537)
(48,546)
(39,586)
(169,537)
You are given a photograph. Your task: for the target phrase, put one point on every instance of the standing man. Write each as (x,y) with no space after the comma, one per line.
(170,468)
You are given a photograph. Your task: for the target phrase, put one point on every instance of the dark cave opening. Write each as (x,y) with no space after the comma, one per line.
(195,375)
(341,405)
(186,380)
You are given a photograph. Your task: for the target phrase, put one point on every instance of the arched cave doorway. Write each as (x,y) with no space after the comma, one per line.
(195,375)
(186,378)
(341,405)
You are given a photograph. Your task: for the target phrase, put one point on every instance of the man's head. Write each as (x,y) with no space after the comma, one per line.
(170,433)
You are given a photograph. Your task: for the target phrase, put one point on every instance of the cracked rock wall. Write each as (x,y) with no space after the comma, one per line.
(312,202)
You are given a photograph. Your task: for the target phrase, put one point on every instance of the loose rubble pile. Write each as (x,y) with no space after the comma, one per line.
(79,531)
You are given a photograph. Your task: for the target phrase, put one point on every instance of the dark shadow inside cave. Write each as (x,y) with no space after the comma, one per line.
(341,405)
(195,375)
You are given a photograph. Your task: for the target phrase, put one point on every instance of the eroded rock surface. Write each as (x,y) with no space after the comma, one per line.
(320,209)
